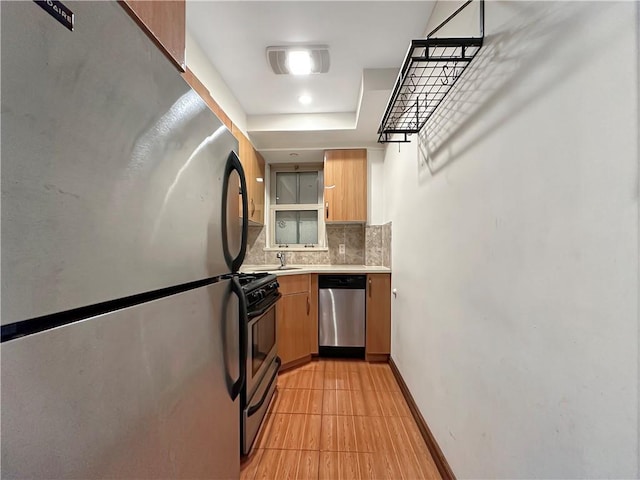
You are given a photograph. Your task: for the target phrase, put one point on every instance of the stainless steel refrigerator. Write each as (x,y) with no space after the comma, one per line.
(121,341)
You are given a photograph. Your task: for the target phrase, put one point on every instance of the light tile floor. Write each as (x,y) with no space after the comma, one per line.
(339,419)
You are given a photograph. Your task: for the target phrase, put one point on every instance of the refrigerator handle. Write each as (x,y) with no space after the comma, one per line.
(237,387)
(233,163)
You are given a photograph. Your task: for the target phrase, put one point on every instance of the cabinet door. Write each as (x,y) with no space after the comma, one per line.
(253,166)
(244,145)
(256,202)
(164,22)
(292,312)
(313,320)
(378,314)
(345,180)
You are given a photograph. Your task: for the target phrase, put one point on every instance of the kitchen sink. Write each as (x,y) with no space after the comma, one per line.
(275,269)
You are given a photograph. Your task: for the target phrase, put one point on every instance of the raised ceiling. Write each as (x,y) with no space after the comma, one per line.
(361,35)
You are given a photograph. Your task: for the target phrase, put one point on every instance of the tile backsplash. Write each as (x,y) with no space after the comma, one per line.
(378,245)
(353,238)
(364,245)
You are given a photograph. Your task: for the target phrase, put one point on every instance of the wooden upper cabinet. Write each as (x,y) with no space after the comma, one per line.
(378,328)
(253,165)
(345,185)
(164,22)
(195,83)
(256,209)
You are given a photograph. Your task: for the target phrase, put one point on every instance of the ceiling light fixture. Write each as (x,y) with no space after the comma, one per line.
(304,99)
(298,59)
(299,62)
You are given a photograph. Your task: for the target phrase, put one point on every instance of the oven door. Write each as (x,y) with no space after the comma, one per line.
(261,348)
(256,409)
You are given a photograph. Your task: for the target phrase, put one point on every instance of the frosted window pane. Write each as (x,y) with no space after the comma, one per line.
(286,187)
(297,227)
(308,221)
(308,187)
(286,227)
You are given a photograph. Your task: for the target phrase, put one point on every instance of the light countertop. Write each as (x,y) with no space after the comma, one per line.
(300,269)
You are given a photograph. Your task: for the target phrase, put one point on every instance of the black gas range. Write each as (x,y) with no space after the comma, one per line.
(261,295)
(260,291)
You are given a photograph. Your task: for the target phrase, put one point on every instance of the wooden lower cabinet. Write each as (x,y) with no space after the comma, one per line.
(313,334)
(297,317)
(291,313)
(295,326)
(378,338)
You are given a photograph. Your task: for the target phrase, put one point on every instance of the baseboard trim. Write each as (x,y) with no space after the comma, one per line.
(438,457)
(376,357)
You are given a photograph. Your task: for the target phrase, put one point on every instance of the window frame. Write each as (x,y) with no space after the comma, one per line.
(273,207)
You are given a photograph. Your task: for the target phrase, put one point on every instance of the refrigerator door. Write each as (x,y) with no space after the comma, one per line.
(137,393)
(112,167)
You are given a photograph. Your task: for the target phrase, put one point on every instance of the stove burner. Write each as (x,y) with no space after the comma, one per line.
(260,291)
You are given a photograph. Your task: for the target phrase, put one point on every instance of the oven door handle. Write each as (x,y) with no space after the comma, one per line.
(257,313)
(254,408)
(237,387)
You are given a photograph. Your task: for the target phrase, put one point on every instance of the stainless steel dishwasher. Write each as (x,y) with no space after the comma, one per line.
(341,313)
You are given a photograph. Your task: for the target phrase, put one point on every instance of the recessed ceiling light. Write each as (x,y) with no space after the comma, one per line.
(299,62)
(304,99)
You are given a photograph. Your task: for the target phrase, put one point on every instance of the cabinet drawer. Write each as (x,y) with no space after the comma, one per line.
(290,284)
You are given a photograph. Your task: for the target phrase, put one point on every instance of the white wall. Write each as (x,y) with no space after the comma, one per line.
(201,66)
(516,259)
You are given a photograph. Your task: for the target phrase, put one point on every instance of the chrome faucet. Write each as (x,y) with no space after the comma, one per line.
(282,257)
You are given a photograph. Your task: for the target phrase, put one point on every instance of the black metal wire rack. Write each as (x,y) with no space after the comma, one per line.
(431,67)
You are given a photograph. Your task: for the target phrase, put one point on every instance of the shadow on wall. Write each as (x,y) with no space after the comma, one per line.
(504,64)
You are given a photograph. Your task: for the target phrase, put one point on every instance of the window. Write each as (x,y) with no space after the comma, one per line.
(295,208)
